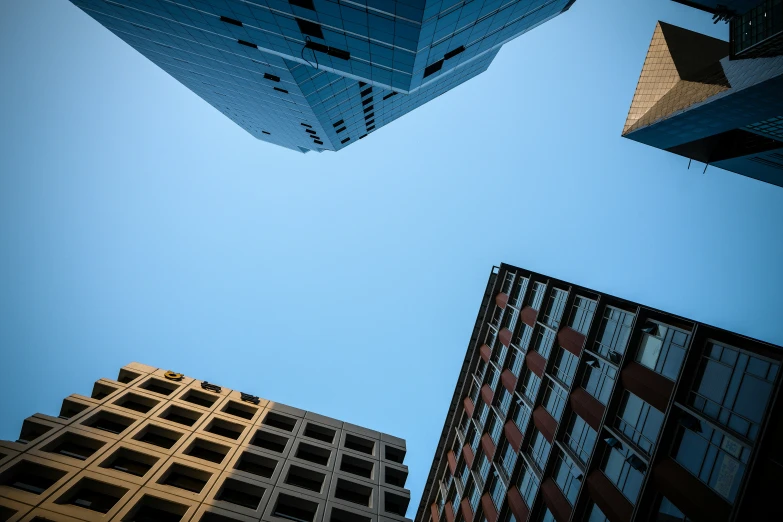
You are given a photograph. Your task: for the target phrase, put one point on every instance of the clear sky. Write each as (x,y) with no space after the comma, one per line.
(138,223)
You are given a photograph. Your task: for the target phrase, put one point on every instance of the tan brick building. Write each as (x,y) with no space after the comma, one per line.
(154,445)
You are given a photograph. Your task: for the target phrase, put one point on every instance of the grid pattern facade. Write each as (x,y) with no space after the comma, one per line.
(619,412)
(155,445)
(319,74)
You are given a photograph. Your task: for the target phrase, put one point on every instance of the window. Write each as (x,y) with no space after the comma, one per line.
(200,398)
(272,442)
(614,332)
(493,376)
(618,466)
(463,423)
(536,296)
(504,401)
(521,416)
(497,490)
(539,449)
(463,472)
(230,21)
(662,349)
(555,307)
(555,399)
(346,140)
(565,366)
(639,421)
(395,477)
(127,376)
(305,478)
(256,464)
(32,430)
(274,78)
(473,494)
(180,415)
(518,294)
(594,514)
(472,438)
(129,461)
(207,450)
(237,409)
(580,437)
(528,484)
(305,4)
(433,68)
(530,384)
(93,495)
(224,428)
(314,431)
(668,512)
(31,477)
(716,459)
(314,454)
(447,479)
(151,508)
(74,446)
(160,387)
(499,354)
(547,516)
(185,477)
(544,338)
(582,314)
(482,412)
(395,504)
(508,282)
(295,508)
(568,476)
(353,492)
(733,388)
(309,28)
(523,336)
(599,378)
(136,402)
(510,318)
(71,408)
(280,422)
(494,428)
(516,362)
(455,499)
(508,458)
(157,436)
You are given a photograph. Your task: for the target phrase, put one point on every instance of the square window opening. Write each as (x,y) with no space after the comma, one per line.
(280,422)
(30,477)
(396,504)
(136,402)
(74,446)
(241,493)
(159,386)
(340,515)
(127,376)
(180,415)
(129,461)
(314,454)
(71,408)
(207,450)
(158,436)
(310,28)
(224,428)
(359,444)
(93,495)
(321,433)
(154,509)
(270,441)
(354,493)
(100,391)
(256,464)
(108,421)
(294,508)
(305,478)
(184,477)
(356,466)
(396,477)
(31,430)
(200,398)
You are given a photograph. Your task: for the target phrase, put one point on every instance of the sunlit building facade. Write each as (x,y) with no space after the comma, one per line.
(572,404)
(157,446)
(319,74)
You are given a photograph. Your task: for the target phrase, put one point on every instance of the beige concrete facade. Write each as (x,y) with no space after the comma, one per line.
(155,445)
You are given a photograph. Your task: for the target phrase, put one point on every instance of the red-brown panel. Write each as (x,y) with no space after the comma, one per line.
(513,435)
(467,513)
(449,512)
(451,458)
(468,405)
(545,423)
(609,499)
(434,512)
(555,501)
(485,352)
(571,340)
(488,446)
(587,407)
(651,387)
(535,362)
(504,336)
(467,454)
(490,512)
(509,380)
(487,394)
(529,316)
(501,300)
(689,494)
(517,505)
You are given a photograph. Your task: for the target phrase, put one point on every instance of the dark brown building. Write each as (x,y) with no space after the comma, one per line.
(577,405)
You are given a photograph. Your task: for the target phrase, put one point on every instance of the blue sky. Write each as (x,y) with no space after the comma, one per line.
(137,223)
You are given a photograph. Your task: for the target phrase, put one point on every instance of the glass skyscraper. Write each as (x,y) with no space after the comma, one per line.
(319,74)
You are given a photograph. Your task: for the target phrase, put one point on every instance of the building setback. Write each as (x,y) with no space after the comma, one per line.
(712,101)
(157,446)
(576,405)
(319,74)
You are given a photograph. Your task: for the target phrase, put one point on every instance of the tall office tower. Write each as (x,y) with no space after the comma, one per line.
(319,74)
(712,101)
(156,446)
(576,405)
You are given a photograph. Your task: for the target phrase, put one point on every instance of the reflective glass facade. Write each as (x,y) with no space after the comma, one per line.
(615,411)
(319,74)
